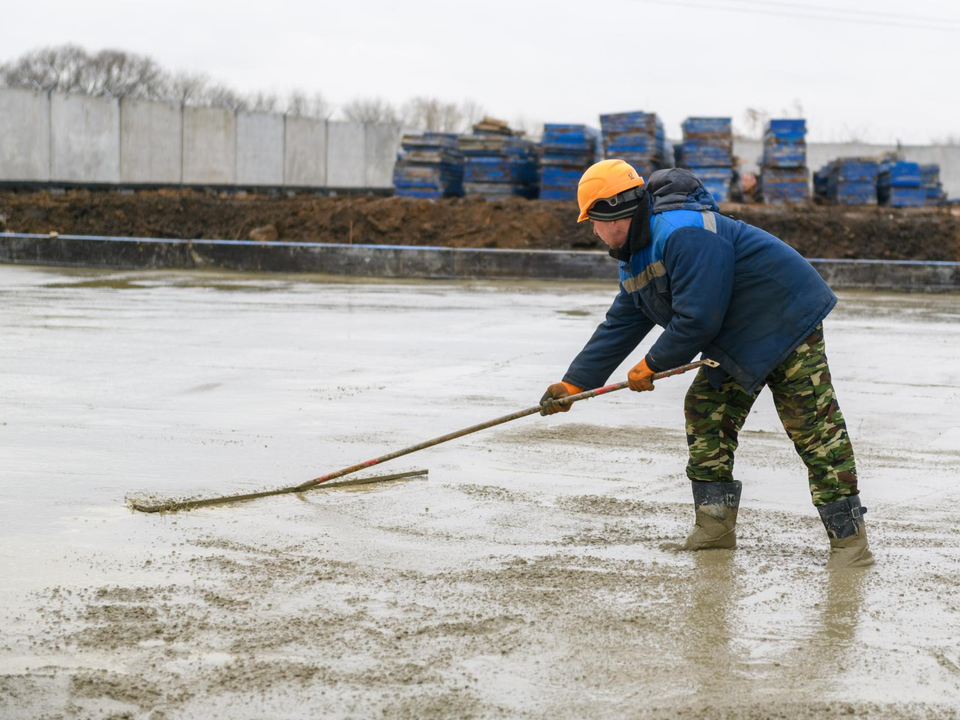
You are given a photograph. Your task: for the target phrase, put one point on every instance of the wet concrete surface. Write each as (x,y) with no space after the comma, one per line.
(522,578)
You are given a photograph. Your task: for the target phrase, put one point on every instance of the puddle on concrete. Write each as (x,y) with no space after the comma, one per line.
(99,284)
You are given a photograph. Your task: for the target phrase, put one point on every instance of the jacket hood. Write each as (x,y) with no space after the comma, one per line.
(678,189)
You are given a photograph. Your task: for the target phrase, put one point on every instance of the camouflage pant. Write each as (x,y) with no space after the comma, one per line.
(805,401)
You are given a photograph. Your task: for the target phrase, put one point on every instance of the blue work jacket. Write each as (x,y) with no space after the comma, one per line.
(717,286)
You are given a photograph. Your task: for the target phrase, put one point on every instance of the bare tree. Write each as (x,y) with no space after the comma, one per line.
(261,102)
(69,68)
(184,86)
(795,109)
(60,68)
(315,105)
(207,94)
(119,73)
(755,120)
(432,115)
(373,110)
(472,113)
(532,129)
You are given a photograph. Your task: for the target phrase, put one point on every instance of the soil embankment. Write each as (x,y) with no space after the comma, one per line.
(817,231)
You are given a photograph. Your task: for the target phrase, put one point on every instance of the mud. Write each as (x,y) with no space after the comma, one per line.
(524,579)
(815,231)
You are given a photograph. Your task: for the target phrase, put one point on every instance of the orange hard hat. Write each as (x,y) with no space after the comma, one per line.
(605,180)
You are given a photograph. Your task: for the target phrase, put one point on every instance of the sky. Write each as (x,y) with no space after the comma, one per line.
(867,70)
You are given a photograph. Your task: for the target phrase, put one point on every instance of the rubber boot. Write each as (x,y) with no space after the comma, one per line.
(843,521)
(715,504)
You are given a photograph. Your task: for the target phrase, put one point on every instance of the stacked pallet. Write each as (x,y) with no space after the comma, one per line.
(498,162)
(636,137)
(848,181)
(784,177)
(566,151)
(930,180)
(707,151)
(429,166)
(899,184)
(492,126)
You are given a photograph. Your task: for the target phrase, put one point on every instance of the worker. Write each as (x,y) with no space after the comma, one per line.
(742,298)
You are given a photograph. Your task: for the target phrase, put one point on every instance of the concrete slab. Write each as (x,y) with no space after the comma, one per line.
(209,146)
(85,139)
(260,154)
(24,135)
(151,136)
(382,146)
(346,155)
(524,577)
(305,152)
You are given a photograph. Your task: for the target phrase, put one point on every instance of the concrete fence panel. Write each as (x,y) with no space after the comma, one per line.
(305,152)
(382,146)
(84,139)
(151,136)
(24,135)
(346,155)
(260,138)
(209,146)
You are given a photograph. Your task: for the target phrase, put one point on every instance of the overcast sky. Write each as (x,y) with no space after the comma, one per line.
(874,70)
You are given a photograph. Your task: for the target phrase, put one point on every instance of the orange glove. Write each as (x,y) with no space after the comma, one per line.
(640,378)
(555,392)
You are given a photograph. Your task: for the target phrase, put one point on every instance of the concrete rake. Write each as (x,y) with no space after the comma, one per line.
(173,506)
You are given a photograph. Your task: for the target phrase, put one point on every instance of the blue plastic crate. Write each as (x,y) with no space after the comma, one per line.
(499,169)
(693,153)
(784,152)
(628,122)
(562,139)
(636,137)
(788,185)
(701,127)
(856,192)
(855,170)
(899,174)
(564,194)
(786,129)
(559,177)
(791,154)
(897,196)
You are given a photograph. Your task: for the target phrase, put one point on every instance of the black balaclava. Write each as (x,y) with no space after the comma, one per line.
(638,236)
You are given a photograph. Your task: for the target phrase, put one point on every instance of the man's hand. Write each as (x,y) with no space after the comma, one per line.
(640,378)
(555,392)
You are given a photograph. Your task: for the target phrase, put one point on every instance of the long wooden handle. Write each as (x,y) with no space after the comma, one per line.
(538,409)
(587,394)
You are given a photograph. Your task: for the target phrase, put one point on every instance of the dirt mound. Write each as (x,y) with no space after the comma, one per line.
(828,232)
